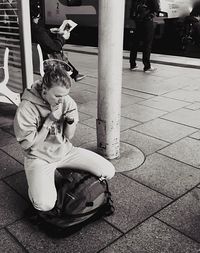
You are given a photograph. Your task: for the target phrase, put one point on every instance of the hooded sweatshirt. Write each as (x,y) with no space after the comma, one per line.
(31,115)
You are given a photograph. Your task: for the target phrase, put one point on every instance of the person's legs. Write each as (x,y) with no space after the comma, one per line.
(134,47)
(86,160)
(148,33)
(41,183)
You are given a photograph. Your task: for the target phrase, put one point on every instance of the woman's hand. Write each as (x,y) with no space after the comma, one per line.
(56,111)
(66,35)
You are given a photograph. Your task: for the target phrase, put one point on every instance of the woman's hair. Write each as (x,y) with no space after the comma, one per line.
(55,73)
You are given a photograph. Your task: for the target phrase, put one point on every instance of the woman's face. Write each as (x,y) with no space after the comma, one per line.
(55,94)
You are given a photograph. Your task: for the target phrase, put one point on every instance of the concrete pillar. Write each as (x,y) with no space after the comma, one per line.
(111,27)
(25,43)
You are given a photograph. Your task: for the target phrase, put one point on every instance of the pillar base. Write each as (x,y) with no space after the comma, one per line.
(130,156)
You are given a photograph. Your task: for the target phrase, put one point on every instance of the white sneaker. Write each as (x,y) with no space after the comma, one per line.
(134,68)
(151,69)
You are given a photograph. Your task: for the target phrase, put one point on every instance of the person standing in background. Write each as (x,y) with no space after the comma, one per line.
(143,12)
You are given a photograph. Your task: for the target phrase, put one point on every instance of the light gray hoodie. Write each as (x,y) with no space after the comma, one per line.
(29,118)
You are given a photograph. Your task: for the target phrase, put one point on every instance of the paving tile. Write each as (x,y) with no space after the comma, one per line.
(84,96)
(185,150)
(141,113)
(135,93)
(89,108)
(125,123)
(8,165)
(83,116)
(184,116)
(83,135)
(194,106)
(15,151)
(6,138)
(12,207)
(196,135)
(90,239)
(184,214)
(133,204)
(147,144)
(166,175)
(165,130)
(184,95)
(9,129)
(18,183)
(129,100)
(163,103)
(8,243)
(7,113)
(153,236)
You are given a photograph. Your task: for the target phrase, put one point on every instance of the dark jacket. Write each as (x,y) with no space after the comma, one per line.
(49,42)
(151,10)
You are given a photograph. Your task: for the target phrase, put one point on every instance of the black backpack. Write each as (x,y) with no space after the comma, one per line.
(81,199)
(140,10)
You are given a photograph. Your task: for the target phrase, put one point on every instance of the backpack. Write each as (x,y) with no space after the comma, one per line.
(140,10)
(81,199)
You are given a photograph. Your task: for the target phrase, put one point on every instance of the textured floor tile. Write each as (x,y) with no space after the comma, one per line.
(125,123)
(83,135)
(84,96)
(153,236)
(184,214)
(90,239)
(141,113)
(129,100)
(136,93)
(166,175)
(133,202)
(184,116)
(6,138)
(194,106)
(8,243)
(18,183)
(83,116)
(184,95)
(89,108)
(147,144)
(8,165)
(185,150)
(196,135)
(163,103)
(15,151)
(165,130)
(12,206)
(9,129)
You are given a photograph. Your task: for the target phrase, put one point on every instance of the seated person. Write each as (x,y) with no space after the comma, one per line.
(44,123)
(50,43)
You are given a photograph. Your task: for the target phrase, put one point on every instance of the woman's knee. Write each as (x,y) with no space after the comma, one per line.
(43,203)
(108,171)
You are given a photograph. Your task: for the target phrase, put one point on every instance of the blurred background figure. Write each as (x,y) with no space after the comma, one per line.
(51,43)
(143,12)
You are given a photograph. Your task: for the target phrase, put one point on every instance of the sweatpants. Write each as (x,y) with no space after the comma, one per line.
(41,175)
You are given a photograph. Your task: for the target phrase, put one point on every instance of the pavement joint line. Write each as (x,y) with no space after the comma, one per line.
(188,236)
(18,193)
(179,161)
(123,173)
(16,240)
(161,62)
(195,127)
(10,155)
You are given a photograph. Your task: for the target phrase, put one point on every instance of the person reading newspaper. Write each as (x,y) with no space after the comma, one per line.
(51,42)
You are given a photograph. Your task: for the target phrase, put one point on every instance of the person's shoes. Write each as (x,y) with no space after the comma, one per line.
(134,68)
(79,77)
(149,70)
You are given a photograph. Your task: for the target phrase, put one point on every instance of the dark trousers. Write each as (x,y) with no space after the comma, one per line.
(144,32)
(74,70)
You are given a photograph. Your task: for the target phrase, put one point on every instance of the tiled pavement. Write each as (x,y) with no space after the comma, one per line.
(157,204)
